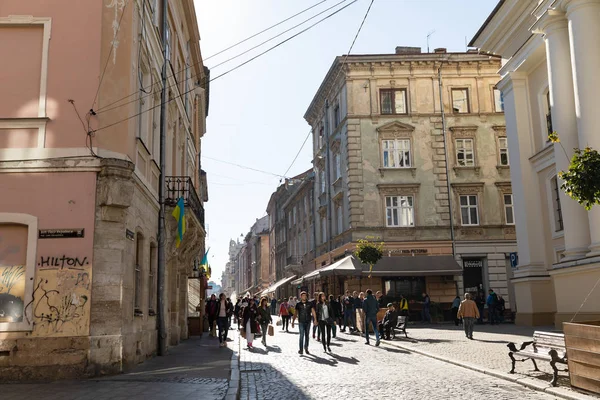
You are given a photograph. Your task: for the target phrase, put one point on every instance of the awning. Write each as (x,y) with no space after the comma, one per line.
(277,285)
(415,266)
(347,266)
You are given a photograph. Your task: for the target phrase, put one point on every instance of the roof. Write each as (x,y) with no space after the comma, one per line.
(487,21)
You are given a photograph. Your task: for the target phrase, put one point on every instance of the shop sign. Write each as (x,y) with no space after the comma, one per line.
(409,251)
(473,263)
(60,233)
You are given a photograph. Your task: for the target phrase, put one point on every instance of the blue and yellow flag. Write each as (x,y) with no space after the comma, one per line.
(179,214)
(204,262)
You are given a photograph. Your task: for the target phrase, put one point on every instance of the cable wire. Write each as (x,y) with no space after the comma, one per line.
(298,153)
(230,70)
(244,167)
(104,108)
(265,30)
(112,46)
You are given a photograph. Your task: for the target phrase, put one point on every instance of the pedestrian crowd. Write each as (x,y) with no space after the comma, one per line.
(322,315)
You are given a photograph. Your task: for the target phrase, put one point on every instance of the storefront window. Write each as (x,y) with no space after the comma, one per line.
(410,287)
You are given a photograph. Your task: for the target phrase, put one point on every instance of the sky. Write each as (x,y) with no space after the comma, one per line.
(256,112)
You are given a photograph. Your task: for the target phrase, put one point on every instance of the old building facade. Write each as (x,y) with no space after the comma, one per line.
(548,84)
(84,259)
(381,171)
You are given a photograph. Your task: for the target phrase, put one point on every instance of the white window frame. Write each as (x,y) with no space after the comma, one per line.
(394,92)
(322,184)
(400,151)
(503,149)
(508,206)
(400,210)
(469,206)
(460,145)
(337,166)
(498,101)
(456,90)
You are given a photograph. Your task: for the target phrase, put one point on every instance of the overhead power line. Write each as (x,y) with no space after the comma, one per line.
(265,30)
(232,69)
(336,75)
(106,107)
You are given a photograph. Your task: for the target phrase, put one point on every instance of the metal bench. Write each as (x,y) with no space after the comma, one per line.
(400,326)
(546,346)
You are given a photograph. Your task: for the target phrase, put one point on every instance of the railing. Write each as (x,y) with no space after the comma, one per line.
(182,186)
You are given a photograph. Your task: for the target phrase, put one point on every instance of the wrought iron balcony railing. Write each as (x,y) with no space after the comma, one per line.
(182,186)
(294,260)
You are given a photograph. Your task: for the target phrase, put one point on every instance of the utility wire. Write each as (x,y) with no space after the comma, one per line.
(104,108)
(244,167)
(230,70)
(112,46)
(333,81)
(276,36)
(264,30)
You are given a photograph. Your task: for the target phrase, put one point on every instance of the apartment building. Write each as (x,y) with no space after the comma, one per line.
(79,155)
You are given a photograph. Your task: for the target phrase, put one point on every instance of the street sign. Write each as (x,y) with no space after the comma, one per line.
(514,260)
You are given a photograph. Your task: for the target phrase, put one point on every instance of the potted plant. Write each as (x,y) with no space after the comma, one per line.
(369,253)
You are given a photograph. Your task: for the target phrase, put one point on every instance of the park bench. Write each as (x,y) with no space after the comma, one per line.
(400,326)
(546,346)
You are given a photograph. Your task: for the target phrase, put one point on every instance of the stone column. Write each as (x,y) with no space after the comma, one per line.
(584,29)
(562,103)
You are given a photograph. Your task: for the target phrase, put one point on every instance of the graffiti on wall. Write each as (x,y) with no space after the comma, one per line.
(60,304)
(12,293)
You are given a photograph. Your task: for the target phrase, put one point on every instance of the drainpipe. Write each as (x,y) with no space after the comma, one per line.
(328,180)
(162,327)
(446,161)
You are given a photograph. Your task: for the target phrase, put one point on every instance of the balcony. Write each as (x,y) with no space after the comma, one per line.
(294,264)
(182,186)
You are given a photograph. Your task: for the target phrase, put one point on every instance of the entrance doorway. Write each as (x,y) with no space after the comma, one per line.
(473,276)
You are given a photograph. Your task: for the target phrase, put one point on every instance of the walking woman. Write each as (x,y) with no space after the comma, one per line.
(264,318)
(284,314)
(249,320)
(326,321)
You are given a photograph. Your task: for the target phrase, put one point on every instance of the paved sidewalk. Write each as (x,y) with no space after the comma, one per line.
(486,353)
(196,369)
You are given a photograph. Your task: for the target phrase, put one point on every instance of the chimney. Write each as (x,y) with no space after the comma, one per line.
(440,50)
(408,50)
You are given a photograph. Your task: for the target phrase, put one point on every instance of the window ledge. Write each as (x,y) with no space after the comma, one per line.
(501,167)
(138,313)
(151,313)
(413,170)
(458,170)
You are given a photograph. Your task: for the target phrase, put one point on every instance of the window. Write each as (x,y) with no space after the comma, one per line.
(139,249)
(339,219)
(412,288)
(337,167)
(393,101)
(336,116)
(322,181)
(321,137)
(498,101)
(396,153)
(168,42)
(503,150)
(294,215)
(323,231)
(152,279)
(509,213)
(468,210)
(289,218)
(460,101)
(558,219)
(465,156)
(399,211)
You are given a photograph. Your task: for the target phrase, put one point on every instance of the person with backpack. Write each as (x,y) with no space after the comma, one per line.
(492,303)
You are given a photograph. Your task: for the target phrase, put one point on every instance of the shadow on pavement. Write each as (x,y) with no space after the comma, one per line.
(320,360)
(339,339)
(263,381)
(394,350)
(273,349)
(346,360)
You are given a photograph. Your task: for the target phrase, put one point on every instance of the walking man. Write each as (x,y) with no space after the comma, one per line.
(348,304)
(370,308)
(426,305)
(492,303)
(305,310)
(469,313)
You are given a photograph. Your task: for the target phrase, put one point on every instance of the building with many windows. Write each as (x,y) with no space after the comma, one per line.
(549,82)
(79,153)
(383,171)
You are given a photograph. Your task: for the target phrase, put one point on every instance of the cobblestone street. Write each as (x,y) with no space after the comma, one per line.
(356,371)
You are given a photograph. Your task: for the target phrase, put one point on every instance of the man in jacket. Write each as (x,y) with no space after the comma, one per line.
(389,321)
(492,303)
(370,308)
(469,313)
(305,310)
(211,313)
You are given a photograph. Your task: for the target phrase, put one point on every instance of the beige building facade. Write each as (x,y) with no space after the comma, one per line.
(549,81)
(78,234)
(381,171)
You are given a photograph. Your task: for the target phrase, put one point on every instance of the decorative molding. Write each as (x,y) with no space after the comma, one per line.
(398,189)
(471,231)
(462,170)
(504,187)
(395,129)
(468,188)
(413,170)
(499,130)
(464,131)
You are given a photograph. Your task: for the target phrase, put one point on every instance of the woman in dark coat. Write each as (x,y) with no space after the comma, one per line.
(325,318)
(249,319)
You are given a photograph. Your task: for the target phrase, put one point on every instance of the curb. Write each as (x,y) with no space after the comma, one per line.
(233,392)
(531,383)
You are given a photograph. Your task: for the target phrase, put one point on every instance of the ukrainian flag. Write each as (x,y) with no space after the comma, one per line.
(204,263)
(179,214)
